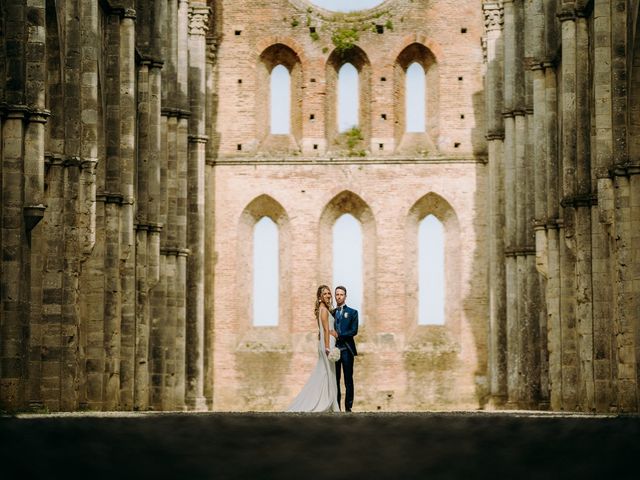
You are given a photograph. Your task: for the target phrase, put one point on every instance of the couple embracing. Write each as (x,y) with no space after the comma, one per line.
(336,355)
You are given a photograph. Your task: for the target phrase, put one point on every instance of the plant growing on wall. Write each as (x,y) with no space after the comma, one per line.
(344,39)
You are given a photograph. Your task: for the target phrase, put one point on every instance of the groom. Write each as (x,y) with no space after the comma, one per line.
(346,326)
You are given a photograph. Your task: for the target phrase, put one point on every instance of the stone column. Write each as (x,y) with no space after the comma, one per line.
(13,292)
(626,317)
(570,366)
(493,16)
(583,204)
(603,226)
(198,25)
(209,248)
(554,344)
(127,178)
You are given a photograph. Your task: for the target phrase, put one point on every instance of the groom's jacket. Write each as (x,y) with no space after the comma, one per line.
(346,325)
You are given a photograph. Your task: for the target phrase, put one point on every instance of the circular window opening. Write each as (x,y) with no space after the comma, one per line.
(346,5)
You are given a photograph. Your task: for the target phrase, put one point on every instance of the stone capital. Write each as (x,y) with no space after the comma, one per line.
(199,20)
(567,13)
(493,16)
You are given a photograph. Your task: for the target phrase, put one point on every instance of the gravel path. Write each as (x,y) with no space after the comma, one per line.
(500,446)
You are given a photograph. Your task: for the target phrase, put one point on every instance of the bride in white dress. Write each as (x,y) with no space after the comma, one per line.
(320,392)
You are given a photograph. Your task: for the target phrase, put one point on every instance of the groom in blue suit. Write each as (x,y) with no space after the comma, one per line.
(346,326)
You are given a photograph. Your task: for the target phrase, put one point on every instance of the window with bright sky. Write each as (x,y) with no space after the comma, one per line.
(265,273)
(431,272)
(348,101)
(415,98)
(280,100)
(347,260)
(346,5)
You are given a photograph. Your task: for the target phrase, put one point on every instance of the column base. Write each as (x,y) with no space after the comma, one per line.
(197,404)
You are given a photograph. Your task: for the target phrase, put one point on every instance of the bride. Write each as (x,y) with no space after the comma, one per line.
(320,392)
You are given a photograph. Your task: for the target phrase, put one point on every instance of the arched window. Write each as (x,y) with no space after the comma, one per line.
(347,259)
(348,97)
(415,98)
(280,100)
(265,273)
(431,281)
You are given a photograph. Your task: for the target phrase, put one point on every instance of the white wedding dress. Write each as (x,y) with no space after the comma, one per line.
(320,392)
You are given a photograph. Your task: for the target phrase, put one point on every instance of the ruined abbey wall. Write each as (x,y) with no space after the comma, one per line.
(136,158)
(390,181)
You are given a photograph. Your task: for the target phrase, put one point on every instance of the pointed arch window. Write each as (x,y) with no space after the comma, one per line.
(415,98)
(347,259)
(431,274)
(280,89)
(348,97)
(265,273)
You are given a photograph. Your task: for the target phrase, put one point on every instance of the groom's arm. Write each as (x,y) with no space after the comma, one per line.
(351,330)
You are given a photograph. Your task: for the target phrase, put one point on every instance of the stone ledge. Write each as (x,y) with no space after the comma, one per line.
(482,159)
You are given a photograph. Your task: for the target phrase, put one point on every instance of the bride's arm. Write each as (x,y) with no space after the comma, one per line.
(324,319)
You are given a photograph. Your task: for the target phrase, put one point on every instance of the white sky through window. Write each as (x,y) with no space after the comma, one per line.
(431,271)
(347,260)
(348,97)
(280,100)
(415,98)
(265,273)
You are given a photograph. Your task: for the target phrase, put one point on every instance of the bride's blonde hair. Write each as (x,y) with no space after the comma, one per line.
(319,300)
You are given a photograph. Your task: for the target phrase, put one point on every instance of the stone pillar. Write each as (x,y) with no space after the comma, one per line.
(127,178)
(583,204)
(533,311)
(510,68)
(112,201)
(621,24)
(540,220)
(570,366)
(553,345)
(493,15)
(13,292)
(182,255)
(198,25)
(603,227)
(209,247)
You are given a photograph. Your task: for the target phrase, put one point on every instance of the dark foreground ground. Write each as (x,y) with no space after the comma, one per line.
(499,446)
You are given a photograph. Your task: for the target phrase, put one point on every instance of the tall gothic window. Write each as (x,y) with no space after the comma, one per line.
(280,100)
(431,281)
(415,98)
(265,273)
(347,259)
(348,101)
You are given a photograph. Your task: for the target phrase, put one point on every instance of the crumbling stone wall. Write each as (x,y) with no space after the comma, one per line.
(561,90)
(389,180)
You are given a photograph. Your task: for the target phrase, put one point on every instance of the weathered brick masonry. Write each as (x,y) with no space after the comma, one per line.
(136,158)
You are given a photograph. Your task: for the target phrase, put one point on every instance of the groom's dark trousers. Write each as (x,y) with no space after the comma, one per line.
(345,363)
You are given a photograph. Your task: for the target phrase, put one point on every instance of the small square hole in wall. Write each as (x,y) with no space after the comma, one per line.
(460,79)
(239,147)
(315,146)
(383,79)
(312,80)
(312,117)
(462,116)
(463,30)
(239,80)
(238,33)
(312,29)
(456,145)
(380,28)
(381,146)
(383,116)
